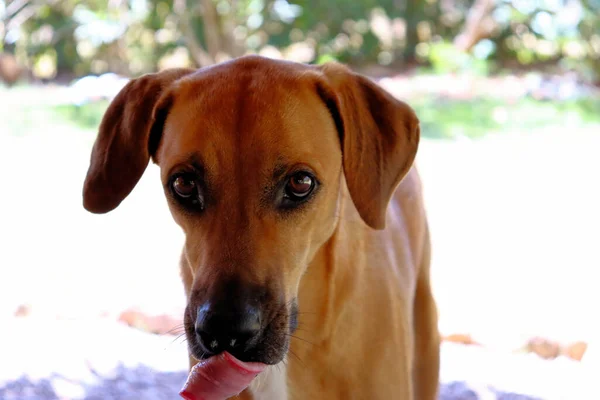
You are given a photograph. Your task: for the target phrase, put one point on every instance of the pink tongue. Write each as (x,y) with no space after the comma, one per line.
(220,377)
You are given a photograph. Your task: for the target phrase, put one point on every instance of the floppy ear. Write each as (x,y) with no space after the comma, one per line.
(125,141)
(379,136)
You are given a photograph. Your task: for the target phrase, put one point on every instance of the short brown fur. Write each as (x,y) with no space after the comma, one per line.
(355,257)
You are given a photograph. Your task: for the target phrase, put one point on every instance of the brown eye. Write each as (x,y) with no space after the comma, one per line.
(184,186)
(299,186)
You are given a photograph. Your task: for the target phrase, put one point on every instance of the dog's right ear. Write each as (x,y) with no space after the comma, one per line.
(379,136)
(128,135)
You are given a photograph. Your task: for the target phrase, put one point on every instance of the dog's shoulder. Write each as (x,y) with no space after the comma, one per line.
(409,194)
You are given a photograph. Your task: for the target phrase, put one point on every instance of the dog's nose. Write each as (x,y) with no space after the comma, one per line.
(220,330)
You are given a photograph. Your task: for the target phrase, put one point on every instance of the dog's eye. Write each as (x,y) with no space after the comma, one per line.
(186,189)
(299,186)
(184,186)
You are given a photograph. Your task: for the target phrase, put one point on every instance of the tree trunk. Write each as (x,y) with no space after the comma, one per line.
(212,29)
(228,24)
(413,14)
(477,26)
(199,55)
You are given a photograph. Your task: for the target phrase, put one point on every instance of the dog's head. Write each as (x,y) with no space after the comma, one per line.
(253,154)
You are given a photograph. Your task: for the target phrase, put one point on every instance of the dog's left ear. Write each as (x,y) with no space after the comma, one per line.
(128,135)
(379,136)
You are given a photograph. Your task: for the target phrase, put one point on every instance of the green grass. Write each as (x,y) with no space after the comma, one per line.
(441,118)
(88,116)
(448,119)
(444,118)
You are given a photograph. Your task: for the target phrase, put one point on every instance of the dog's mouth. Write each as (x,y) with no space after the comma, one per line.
(270,350)
(227,373)
(220,377)
(224,375)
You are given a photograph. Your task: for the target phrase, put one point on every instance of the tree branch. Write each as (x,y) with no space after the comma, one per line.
(200,56)
(211,28)
(476,26)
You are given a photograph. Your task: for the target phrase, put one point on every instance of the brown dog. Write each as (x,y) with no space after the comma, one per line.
(280,175)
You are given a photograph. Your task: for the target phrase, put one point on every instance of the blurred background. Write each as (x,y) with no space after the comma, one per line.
(508,94)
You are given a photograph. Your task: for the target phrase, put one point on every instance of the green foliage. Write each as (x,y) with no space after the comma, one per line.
(325,58)
(137,36)
(444,58)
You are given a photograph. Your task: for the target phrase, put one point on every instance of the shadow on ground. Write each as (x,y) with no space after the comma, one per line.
(145,383)
(126,384)
(104,360)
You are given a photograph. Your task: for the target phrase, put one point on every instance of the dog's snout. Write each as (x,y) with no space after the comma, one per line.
(225,330)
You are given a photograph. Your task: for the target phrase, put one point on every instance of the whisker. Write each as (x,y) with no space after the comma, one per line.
(298,358)
(302,326)
(175,329)
(194,349)
(309,313)
(300,329)
(176,338)
(299,338)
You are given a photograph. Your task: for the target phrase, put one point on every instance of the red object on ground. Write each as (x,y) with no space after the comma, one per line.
(219,377)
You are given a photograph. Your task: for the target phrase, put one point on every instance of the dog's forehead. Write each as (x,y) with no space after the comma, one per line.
(258,113)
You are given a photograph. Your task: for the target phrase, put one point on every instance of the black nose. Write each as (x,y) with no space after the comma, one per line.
(226,330)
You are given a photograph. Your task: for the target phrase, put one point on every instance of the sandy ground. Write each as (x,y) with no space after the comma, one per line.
(515,224)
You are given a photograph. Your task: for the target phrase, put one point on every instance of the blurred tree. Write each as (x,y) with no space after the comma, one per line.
(478,25)
(10,70)
(55,38)
(589,28)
